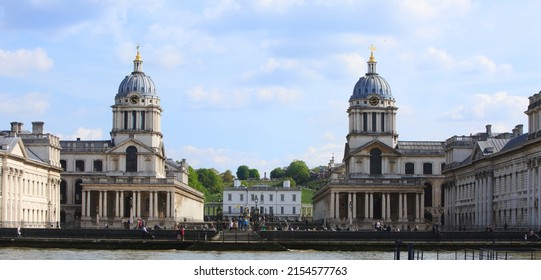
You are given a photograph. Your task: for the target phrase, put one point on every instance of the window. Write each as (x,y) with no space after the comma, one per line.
(229,197)
(262,198)
(126,119)
(241,197)
(382,122)
(80,165)
(229,209)
(282,197)
(294,210)
(63,164)
(98,166)
(78,191)
(134,120)
(282,210)
(410,168)
(427,168)
(63,192)
(271,210)
(131,159)
(252,197)
(143,120)
(294,197)
(375,161)
(374,121)
(271,197)
(365,121)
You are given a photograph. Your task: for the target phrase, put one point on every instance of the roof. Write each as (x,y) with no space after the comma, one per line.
(421,147)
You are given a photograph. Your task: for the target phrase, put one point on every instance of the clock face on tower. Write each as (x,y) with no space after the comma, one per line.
(374,100)
(134,99)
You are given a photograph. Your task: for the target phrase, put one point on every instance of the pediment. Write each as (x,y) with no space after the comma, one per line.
(365,149)
(18,149)
(121,147)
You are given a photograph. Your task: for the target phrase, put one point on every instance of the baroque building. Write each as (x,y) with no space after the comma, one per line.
(128,177)
(494,179)
(381,178)
(29,177)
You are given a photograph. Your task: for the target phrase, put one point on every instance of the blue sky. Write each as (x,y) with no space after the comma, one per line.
(262,83)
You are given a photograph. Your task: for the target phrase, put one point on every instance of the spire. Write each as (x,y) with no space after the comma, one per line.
(372,61)
(138,63)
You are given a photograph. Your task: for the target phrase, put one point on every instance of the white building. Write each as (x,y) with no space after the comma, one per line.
(128,177)
(29,177)
(381,178)
(277,203)
(495,178)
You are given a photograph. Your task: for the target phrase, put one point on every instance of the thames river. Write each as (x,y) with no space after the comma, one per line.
(77,254)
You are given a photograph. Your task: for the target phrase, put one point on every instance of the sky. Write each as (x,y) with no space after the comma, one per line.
(265,82)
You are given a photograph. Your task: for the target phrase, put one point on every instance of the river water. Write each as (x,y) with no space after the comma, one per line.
(78,254)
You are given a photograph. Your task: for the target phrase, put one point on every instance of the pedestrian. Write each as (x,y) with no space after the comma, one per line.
(182,233)
(505,226)
(19,235)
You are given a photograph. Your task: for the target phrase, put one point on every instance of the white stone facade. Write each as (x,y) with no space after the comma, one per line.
(129,177)
(29,178)
(495,179)
(278,203)
(381,178)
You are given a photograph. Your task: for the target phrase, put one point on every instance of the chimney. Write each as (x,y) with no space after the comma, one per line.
(14,127)
(520,128)
(489,130)
(37,127)
(19,127)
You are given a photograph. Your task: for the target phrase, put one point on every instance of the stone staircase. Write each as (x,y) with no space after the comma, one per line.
(235,236)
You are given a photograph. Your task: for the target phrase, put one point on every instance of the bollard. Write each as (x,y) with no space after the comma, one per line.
(410,251)
(397,249)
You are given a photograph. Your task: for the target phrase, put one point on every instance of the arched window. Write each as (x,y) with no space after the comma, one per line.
(63,192)
(410,168)
(375,161)
(78,191)
(131,159)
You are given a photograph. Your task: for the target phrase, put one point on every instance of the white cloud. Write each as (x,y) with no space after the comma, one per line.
(30,103)
(479,63)
(84,134)
(241,98)
(277,6)
(23,61)
(221,7)
(498,107)
(430,9)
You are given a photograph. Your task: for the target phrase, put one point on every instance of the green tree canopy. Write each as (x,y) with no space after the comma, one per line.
(278,173)
(210,179)
(243,172)
(193,181)
(227,176)
(299,171)
(254,174)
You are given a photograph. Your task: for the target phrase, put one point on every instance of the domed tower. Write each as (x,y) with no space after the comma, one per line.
(372,111)
(137,111)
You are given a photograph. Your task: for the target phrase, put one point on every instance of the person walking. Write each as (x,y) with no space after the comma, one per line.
(182,233)
(19,235)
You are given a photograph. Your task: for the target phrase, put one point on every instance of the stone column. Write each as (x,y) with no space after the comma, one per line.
(168,205)
(83,204)
(121,207)
(416,207)
(422,213)
(151,213)
(105,204)
(337,205)
(388,210)
(156,212)
(331,206)
(400,208)
(354,206)
(490,200)
(366,204)
(406,207)
(371,206)
(383,207)
(100,200)
(138,195)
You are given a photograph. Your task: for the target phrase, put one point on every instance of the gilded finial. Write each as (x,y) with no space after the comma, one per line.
(372,49)
(138,56)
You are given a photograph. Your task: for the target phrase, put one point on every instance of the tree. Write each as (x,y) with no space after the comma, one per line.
(254,174)
(227,176)
(299,171)
(210,180)
(278,173)
(193,181)
(243,172)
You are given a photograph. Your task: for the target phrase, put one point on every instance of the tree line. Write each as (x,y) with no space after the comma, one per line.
(211,182)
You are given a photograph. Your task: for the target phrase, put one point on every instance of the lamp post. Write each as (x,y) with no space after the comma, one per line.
(256,218)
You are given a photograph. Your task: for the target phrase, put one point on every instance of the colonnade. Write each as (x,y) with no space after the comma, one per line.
(390,202)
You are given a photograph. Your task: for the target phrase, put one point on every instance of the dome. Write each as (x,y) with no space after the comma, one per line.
(137,81)
(372,83)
